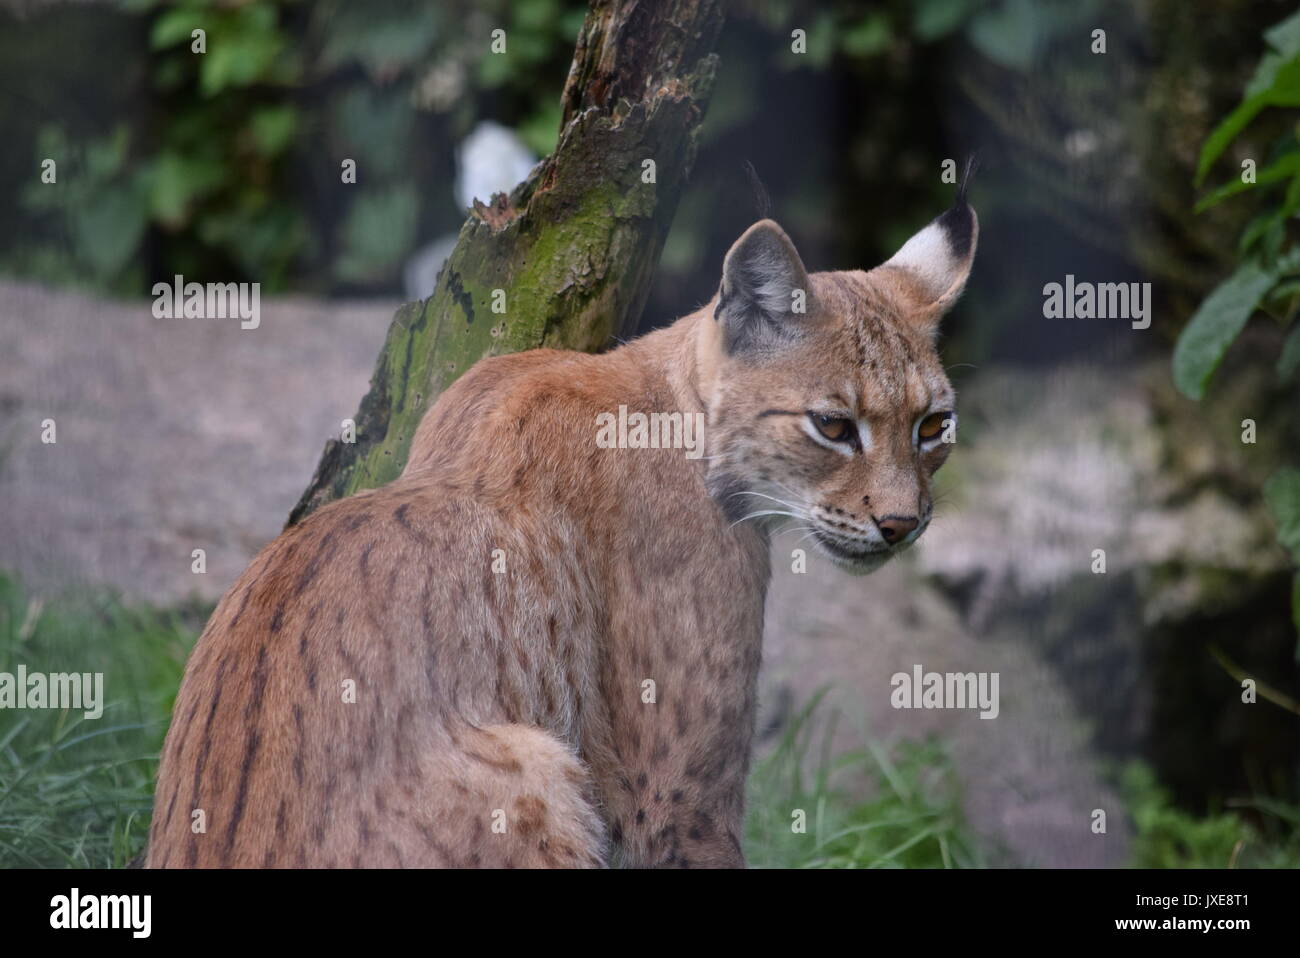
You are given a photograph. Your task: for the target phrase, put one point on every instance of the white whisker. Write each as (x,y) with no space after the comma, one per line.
(766,512)
(746,492)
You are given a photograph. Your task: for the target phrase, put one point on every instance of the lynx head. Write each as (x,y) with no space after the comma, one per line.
(829,405)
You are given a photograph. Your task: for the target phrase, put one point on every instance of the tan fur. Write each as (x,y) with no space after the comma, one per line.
(515,699)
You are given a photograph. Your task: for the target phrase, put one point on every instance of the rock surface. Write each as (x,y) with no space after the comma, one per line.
(172,435)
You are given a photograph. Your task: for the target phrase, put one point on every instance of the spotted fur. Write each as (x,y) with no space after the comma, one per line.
(503,717)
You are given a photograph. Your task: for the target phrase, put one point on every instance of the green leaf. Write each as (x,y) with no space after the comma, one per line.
(172,27)
(384,43)
(1289,288)
(1288,165)
(1284,90)
(1011,35)
(378,125)
(273,129)
(535,15)
(379,230)
(541,131)
(494,69)
(245,50)
(1266,224)
(1284,38)
(821,40)
(935,19)
(1227,131)
(108,230)
(106,156)
(178,181)
(1215,325)
(1283,302)
(870,36)
(1282,493)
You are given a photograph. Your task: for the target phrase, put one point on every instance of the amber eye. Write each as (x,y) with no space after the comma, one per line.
(834,428)
(932,425)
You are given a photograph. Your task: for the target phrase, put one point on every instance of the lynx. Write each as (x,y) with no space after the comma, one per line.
(536,650)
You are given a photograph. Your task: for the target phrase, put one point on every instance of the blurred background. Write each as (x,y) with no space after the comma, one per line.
(1121,689)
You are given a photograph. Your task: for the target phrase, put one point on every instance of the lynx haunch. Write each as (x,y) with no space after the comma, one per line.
(500,716)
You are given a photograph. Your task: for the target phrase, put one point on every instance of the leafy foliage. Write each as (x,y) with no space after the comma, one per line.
(1268,276)
(233,164)
(211,177)
(1265,276)
(1216,325)
(105,207)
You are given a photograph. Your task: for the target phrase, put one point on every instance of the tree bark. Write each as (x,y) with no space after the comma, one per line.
(566,259)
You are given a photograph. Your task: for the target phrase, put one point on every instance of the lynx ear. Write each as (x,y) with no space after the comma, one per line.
(764,290)
(932,267)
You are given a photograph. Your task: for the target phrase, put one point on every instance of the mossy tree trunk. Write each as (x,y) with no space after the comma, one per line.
(565,261)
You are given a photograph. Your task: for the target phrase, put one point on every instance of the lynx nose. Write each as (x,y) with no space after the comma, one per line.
(896,528)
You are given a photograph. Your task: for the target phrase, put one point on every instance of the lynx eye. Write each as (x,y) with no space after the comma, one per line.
(834,428)
(932,425)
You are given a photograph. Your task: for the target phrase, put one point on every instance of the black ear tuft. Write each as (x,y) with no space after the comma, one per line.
(972,165)
(958,221)
(958,225)
(762,200)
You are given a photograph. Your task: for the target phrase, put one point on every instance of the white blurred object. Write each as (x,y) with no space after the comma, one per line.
(492,159)
(1081,143)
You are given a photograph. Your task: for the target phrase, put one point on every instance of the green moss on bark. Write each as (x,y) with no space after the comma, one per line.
(572,249)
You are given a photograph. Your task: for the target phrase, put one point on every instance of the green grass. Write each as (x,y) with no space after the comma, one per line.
(1261,833)
(913,819)
(76,792)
